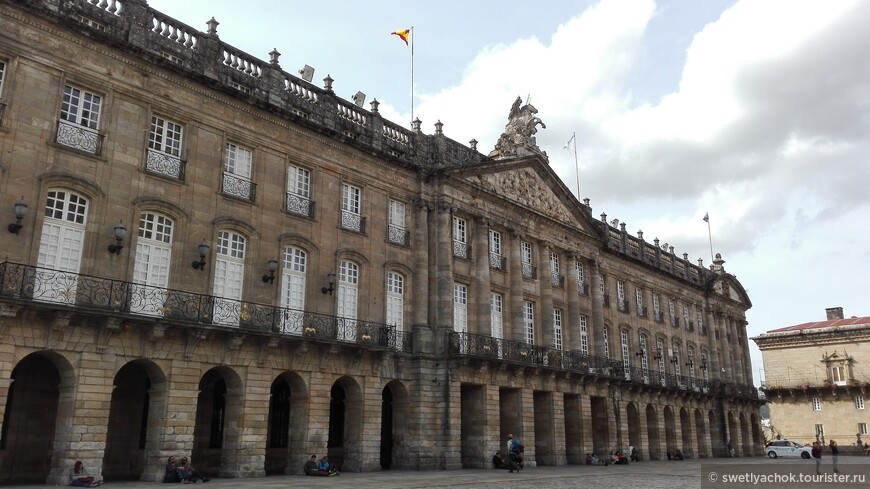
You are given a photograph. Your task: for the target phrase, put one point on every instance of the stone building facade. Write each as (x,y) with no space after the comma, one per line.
(817,379)
(210,256)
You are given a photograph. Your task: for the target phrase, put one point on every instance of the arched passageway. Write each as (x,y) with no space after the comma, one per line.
(138,399)
(652,434)
(686,432)
(287,429)
(218,409)
(670,431)
(30,419)
(634,433)
(394,428)
(345,424)
(701,435)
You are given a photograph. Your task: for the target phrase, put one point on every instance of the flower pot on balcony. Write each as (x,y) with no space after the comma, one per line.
(309,330)
(366,337)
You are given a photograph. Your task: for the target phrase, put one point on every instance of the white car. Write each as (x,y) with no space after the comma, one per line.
(785,448)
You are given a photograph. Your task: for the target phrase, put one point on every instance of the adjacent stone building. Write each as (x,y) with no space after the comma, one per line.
(209,256)
(817,378)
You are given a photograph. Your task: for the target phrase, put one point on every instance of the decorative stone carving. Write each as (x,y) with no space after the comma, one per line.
(108,329)
(525,188)
(518,138)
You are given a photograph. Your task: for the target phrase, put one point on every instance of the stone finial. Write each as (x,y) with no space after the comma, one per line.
(416,125)
(374,105)
(439,127)
(586,202)
(656,241)
(701,262)
(718,264)
(639,234)
(212,26)
(473,144)
(273,57)
(622,227)
(685,256)
(327,83)
(671,250)
(603,217)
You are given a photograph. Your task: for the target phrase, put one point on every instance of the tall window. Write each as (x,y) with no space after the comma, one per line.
(859,402)
(657,307)
(2,76)
(299,191)
(496,304)
(529,321)
(626,352)
(397,232)
(705,367)
(396,300)
(293,280)
(60,247)
(237,172)
(581,279)
(686,317)
(602,287)
(660,353)
(526,259)
(838,375)
(675,357)
(690,362)
(460,308)
(862,428)
(79,120)
(151,269)
(644,357)
(351,207)
(495,258)
(820,431)
(621,304)
(348,299)
(557,329)
(555,270)
(584,336)
(606,342)
(672,311)
(228,277)
(460,238)
(701,322)
(164,148)
(638,294)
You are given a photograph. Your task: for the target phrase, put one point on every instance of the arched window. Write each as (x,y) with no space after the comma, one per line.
(229,276)
(690,362)
(644,357)
(293,273)
(151,269)
(61,246)
(347,300)
(396,300)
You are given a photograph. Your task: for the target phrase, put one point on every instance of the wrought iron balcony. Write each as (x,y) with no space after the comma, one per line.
(690,325)
(461,249)
(89,294)
(240,187)
(530,271)
(641,311)
(398,235)
(165,165)
(675,321)
(487,348)
(557,280)
(297,204)
(498,262)
(2,110)
(79,137)
(622,305)
(605,300)
(658,316)
(353,222)
(583,288)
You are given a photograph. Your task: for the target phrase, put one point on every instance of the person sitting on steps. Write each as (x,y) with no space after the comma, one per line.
(312,468)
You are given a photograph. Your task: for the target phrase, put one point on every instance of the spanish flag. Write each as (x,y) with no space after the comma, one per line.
(403,34)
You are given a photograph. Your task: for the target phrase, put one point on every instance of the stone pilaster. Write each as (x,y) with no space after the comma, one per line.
(481,316)
(546,283)
(444,268)
(573,290)
(596,330)
(244,455)
(515,317)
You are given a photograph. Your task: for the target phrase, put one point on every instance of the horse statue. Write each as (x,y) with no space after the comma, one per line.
(518,138)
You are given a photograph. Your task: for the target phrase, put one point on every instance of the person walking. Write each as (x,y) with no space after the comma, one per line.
(817,454)
(835,455)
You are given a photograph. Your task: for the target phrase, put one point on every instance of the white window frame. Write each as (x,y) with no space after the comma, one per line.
(2,76)
(397,214)
(620,292)
(460,230)
(351,199)
(239,160)
(460,307)
(859,402)
(672,311)
(704,363)
(557,329)
(347,301)
(294,279)
(61,246)
(606,342)
(686,317)
(529,321)
(299,181)
(838,374)
(395,300)
(555,269)
(581,276)
(81,107)
(495,242)
(526,252)
(152,262)
(166,136)
(675,353)
(584,335)
(229,262)
(625,346)
(657,305)
(638,293)
(690,360)
(644,357)
(862,428)
(817,404)
(496,318)
(820,430)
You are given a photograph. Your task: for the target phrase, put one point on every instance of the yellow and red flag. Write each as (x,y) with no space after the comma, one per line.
(403,34)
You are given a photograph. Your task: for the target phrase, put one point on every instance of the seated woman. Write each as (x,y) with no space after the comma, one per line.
(79,477)
(171,472)
(312,468)
(325,466)
(678,455)
(620,458)
(187,474)
(596,460)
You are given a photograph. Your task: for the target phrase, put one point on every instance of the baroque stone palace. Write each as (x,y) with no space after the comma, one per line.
(817,380)
(207,255)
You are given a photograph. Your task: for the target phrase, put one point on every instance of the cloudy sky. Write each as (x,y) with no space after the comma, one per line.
(756,111)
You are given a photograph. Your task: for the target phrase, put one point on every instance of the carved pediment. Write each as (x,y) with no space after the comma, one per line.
(525,187)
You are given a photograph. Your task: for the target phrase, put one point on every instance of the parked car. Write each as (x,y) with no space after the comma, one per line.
(786,448)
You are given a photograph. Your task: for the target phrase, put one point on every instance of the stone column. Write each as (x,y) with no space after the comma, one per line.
(573,291)
(444,268)
(596,330)
(747,369)
(558,436)
(243,456)
(714,370)
(514,323)
(527,401)
(82,418)
(586,423)
(738,354)
(423,339)
(492,431)
(725,348)
(482,314)
(546,283)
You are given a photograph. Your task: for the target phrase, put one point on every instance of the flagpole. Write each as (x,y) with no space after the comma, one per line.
(412,76)
(576,165)
(710,235)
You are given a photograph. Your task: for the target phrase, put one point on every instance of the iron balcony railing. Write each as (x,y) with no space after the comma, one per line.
(353,222)
(79,137)
(95,294)
(240,187)
(300,205)
(497,349)
(164,164)
(497,261)
(529,271)
(461,249)
(398,235)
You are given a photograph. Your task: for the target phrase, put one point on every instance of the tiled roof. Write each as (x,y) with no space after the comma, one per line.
(825,324)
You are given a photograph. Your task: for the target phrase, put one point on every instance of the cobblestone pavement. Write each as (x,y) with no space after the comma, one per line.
(643,475)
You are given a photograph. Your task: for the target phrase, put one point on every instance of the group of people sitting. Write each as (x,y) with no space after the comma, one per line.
(677,455)
(79,476)
(182,472)
(615,458)
(322,468)
(513,461)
